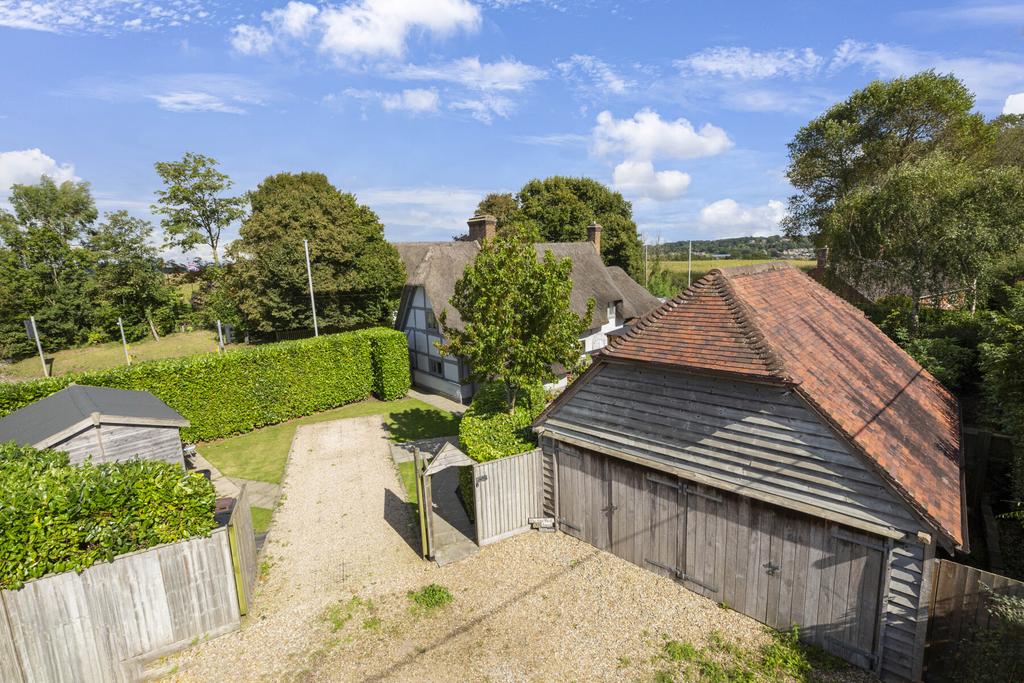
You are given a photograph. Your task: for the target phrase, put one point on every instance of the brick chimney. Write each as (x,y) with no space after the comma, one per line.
(822,255)
(594,236)
(482,228)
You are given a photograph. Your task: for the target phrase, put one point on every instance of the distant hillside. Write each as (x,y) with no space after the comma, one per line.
(773,246)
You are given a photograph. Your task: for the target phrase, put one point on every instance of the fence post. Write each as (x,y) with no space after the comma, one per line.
(236,556)
(18,665)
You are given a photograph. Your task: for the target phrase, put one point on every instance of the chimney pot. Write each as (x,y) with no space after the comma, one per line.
(482,227)
(822,255)
(594,236)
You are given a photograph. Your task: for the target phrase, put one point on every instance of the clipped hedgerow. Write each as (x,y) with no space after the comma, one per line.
(59,517)
(389,352)
(236,392)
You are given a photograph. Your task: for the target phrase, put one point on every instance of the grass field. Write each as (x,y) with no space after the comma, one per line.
(262,454)
(702,267)
(110,355)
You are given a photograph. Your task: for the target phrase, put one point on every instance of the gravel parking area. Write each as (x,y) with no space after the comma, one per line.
(342,556)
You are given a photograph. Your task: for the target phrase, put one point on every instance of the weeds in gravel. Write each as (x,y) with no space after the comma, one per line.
(430,598)
(340,613)
(785,658)
(372,623)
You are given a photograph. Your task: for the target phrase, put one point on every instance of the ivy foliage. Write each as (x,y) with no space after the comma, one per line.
(236,392)
(59,517)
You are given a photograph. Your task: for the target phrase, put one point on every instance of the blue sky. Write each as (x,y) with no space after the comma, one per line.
(421,107)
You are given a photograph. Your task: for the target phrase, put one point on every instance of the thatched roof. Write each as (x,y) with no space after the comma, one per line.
(436,266)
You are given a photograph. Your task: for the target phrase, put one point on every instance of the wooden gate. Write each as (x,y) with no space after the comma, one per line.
(775,565)
(959,614)
(508,492)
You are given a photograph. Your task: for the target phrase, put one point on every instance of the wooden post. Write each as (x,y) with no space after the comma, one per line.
(124,342)
(312,299)
(152,327)
(220,338)
(420,497)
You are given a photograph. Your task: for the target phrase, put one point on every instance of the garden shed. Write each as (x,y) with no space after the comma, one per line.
(759,440)
(104,424)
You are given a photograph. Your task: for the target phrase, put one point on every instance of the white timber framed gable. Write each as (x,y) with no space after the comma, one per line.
(431,369)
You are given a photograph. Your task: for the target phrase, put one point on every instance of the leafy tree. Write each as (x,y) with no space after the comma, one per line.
(195,210)
(559,209)
(127,270)
(356,273)
(886,124)
(1008,144)
(516,316)
(926,226)
(502,206)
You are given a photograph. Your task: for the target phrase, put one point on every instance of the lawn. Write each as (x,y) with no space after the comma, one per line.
(110,354)
(407,473)
(262,454)
(260,519)
(701,267)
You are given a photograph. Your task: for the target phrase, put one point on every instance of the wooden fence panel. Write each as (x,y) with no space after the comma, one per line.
(959,611)
(243,550)
(508,492)
(100,625)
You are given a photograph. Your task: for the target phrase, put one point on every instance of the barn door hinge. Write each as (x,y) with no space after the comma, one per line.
(482,477)
(675,572)
(562,522)
(771,569)
(610,509)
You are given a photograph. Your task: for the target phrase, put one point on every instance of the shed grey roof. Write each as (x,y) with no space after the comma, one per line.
(436,266)
(36,424)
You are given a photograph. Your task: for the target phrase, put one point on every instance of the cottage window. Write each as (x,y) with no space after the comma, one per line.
(436,367)
(431,320)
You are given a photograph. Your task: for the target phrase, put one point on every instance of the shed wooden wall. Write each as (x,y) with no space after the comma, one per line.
(124,442)
(764,443)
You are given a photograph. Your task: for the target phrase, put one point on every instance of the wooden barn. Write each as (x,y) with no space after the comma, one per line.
(101,423)
(759,440)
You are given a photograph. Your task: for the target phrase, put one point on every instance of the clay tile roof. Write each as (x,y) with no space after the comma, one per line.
(774,323)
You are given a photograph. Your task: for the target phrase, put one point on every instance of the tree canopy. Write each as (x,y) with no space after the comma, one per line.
(357,274)
(192,203)
(516,315)
(559,209)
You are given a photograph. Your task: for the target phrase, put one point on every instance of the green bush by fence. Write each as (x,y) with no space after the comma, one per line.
(59,517)
(238,391)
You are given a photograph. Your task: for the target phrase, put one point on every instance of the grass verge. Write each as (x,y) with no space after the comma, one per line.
(262,454)
(261,519)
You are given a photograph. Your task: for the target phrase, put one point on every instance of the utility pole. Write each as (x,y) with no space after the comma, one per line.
(312,299)
(689,265)
(39,346)
(220,338)
(124,342)
(645,261)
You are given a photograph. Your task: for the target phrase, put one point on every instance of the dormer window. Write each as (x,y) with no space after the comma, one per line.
(431,320)
(611,312)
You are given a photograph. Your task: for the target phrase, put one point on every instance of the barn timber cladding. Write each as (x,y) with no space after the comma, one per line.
(795,450)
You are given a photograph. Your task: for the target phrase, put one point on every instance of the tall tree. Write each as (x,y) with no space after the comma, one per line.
(559,209)
(357,274)
(875,129)
(192,203)
(516,315)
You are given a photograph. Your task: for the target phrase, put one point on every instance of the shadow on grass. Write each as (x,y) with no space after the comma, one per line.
(420,423)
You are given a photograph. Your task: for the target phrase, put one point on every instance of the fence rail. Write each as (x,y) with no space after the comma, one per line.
(105,623)
(508,492)
(959,612)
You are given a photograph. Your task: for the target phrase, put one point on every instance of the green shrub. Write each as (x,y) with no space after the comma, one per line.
(389,353)
(488,431)
(58,517)
(944,358)
(236,392)
(430,598)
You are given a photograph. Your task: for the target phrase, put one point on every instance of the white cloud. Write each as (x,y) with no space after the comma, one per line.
(28,165)
(988,77)
(380,28)
(744,63)
(485,108)
(505,75)
(553,139)
(422,213)
(98,16)
(1014,104)
(997,14)
(639,179)
(647,136)
(191,101)
(789,100)
(416,100)
(600,73)
(756,220)
(251,40)
(294,19)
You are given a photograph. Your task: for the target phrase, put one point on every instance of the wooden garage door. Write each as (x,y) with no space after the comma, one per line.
(777,566)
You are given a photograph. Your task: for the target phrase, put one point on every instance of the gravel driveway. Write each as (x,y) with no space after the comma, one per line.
(539,607)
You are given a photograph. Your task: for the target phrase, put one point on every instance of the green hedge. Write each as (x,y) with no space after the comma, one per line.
(389,353)
(59,517)
(238,391)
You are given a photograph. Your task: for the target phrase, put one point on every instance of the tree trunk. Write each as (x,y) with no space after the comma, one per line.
(974,295)
(152,327)
(915,312)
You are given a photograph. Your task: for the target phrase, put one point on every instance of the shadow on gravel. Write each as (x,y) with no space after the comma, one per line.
(402,517)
